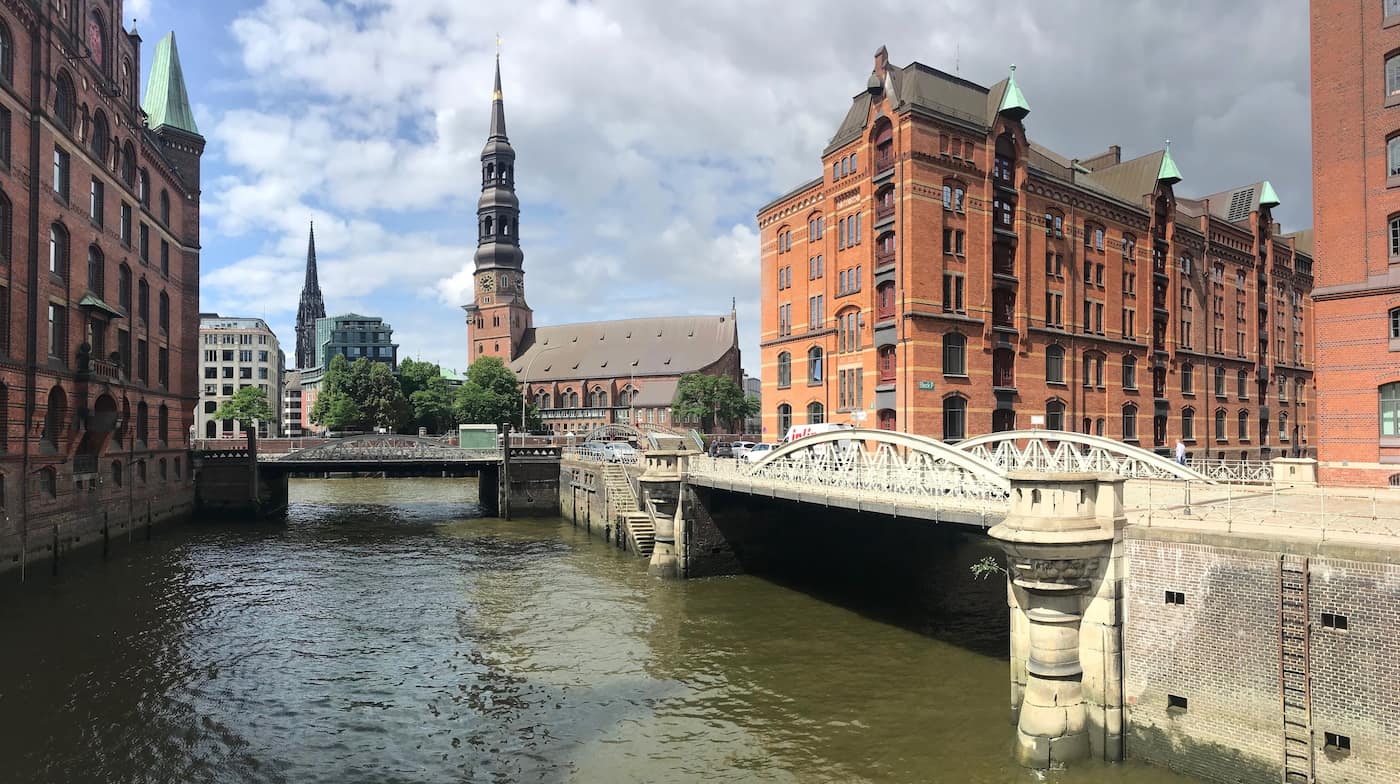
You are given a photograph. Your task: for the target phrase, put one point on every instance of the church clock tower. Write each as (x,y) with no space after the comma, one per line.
(498,318)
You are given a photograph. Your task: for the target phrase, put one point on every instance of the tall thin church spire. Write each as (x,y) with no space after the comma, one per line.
(498,107)
(311,307)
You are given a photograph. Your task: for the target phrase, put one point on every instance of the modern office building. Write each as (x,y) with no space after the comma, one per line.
(99,250)
(1356,214)
(948,276)
(580,376)
(236,353)
(354,337)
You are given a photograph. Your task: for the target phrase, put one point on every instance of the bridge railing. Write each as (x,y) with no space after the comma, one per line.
(1350,514)
(1236,472)
(591,455)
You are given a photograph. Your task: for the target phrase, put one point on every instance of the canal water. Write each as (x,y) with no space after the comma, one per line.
(388,633)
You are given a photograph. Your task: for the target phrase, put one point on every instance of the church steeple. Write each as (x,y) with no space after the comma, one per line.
(498,318)
(312,307)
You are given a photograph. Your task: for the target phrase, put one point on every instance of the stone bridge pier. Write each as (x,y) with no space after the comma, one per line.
(1063,539)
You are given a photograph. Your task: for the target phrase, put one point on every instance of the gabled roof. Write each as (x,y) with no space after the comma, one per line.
(167,103)
(655,394)
(624,348)
(1236,204)
(1130,180)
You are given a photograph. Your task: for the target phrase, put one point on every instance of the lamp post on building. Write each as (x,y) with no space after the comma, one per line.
(525,384)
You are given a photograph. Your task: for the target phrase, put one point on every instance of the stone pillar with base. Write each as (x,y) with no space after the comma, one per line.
(661,497)
(1063,539)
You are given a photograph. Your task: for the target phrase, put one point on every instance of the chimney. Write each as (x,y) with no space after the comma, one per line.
(882,60)
(1116,152)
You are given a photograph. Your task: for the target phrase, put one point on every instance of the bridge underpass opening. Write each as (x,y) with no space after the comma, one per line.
(908,572)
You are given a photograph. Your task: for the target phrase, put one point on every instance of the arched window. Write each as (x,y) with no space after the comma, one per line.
(143,300)
(1054,224)
(884,301)
(65,101)
(1188,424)
(816,226)
(95,273)
(1220,382)
(1283,426)
(1188,380)
(954,195)
(1220,432)
(573,399)
(1129,246)
(1055,415)
(163,424)
(1392,75)
(1130,414)
(784,369)
(814,365)
(55,420)
(1129,372)
(124,288)
(954,354)
(164,312)
(143,424)
(7,54)
(784,419)
(1242,384)
(101,140)
(48,482)
(886,364)
(165,207)
(1093,369)
(141,471)
(954,418)
(97,40)
(143,188)
(58,250)
(1004,163)
(542,400)
(1242,430)
(1004,368)
(117,471)
(1054,365)
(816,413)
(128,164)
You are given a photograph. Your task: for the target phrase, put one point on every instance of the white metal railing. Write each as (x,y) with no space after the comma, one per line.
(1356,514)
(592,455)
(1238,472)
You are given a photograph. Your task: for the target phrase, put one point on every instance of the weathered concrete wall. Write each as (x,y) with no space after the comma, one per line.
(90,510)
(583,499)
(224,487)
(707,552)
(1221,650)
(534,487)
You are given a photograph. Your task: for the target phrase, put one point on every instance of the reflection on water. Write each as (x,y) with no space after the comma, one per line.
(389,634)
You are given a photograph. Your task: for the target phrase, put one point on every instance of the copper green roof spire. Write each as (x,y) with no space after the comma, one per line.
(1168,172)
(1012,101)
(167,103)
(1267,196)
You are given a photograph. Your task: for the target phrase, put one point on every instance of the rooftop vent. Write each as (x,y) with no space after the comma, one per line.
(1240,203)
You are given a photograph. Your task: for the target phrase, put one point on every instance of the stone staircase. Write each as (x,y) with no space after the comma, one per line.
(631,521)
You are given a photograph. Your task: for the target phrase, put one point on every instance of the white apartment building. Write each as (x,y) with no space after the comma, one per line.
(236,353)
(291,405)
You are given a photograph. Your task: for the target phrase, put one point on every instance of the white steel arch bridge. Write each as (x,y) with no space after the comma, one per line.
(909,475)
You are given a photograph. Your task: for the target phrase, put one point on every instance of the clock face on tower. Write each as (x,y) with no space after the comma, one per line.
(94,40)
(488,283)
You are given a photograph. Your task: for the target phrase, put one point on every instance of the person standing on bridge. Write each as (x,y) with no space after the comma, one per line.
(1180,452)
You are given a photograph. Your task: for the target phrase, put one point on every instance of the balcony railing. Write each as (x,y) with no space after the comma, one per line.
(883,211)
(883,162)
(883,257)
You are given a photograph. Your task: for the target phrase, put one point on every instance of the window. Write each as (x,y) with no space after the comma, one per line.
(1220,382)
(784,369)
(143,188)
(165,259)
(814,365)
(1390,409)
(58,331)
(784,419)
(7,54)
(95,271)
(953,293)
(1242,430)
(65,104)
(1130,413)
(954,418)
(1129,247)
(124,288)
(101,137)
(1054,309)
(1394,325)
(5,133)
(1093,370)
(1055,415)
(1392,7)
(1055,365)
(954,354)
(1242,385)
(128,164)
(165,207)
(60,172)
(144,245)
(1283,426)
(124,229)
(1130,372)
(1392,156)
(1185,266)
(1188,384)
(58,251)
(816,413)
(1392,76)
(164,315)
(1220,432)
(95,198)
(143,300)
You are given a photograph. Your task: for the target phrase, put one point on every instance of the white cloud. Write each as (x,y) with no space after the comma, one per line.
(649,135)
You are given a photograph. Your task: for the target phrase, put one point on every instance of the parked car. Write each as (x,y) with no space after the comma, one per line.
(758,452)
(721,449)
(620,452)
(740,448)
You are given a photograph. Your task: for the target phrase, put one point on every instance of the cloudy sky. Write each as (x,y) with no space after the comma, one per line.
(649,133)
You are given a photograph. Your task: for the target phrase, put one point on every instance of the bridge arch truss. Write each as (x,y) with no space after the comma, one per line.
(385,448)
(1058,451)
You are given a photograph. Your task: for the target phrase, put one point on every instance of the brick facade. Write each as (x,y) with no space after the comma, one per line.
(1355,197)
(936,222)
(1220,649)
(100,306)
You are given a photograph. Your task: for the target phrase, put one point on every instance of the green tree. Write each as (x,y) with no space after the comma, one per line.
(383,402)
(430,399)
(491,396)
(714,400)
(247,405)
(335,407)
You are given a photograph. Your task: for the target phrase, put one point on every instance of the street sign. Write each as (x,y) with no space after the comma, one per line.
(926,385)
(858,416)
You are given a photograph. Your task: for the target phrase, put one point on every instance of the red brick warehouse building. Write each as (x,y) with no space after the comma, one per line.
(950,277)
(1356,203)
(99,278)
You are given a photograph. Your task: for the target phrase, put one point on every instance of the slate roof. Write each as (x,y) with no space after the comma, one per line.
(1236,204)
(657,393)
(626,347)
(1130,180)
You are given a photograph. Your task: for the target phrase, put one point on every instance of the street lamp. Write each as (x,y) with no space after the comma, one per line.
(525,383)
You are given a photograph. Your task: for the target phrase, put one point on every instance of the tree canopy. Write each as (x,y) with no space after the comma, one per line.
(247,405)
(430,398)
(361,396)
(714,400)
(491,395)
